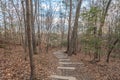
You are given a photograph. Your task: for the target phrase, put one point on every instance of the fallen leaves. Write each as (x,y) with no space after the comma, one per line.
(14,67)
(100,70)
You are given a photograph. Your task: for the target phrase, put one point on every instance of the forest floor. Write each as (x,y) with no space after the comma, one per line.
(13,66)
(100,70)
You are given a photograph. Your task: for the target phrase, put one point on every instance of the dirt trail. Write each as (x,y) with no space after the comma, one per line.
(68,70)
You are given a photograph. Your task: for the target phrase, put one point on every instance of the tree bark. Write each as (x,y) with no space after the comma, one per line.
(110,49)
(25,29)
(33,28)
(69,28)
(104,14)
(38,24)
(73,45)
(29,35)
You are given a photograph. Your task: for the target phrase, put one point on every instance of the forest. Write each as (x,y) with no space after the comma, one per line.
(59,39)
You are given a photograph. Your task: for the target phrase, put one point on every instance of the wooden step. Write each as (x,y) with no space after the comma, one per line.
(62,77)
(67,68)
(70,63)
(64,60)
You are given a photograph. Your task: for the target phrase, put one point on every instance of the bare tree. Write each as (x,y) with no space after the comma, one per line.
(69,28)
(73,43)
(33,26)
(25,29)
(29,35)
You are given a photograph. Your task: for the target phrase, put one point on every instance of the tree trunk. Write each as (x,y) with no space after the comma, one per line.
(25,29)
(110,49)
(38,24)
(104,14)
(33,29)
(29,34)
(69,28)
(73,45)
